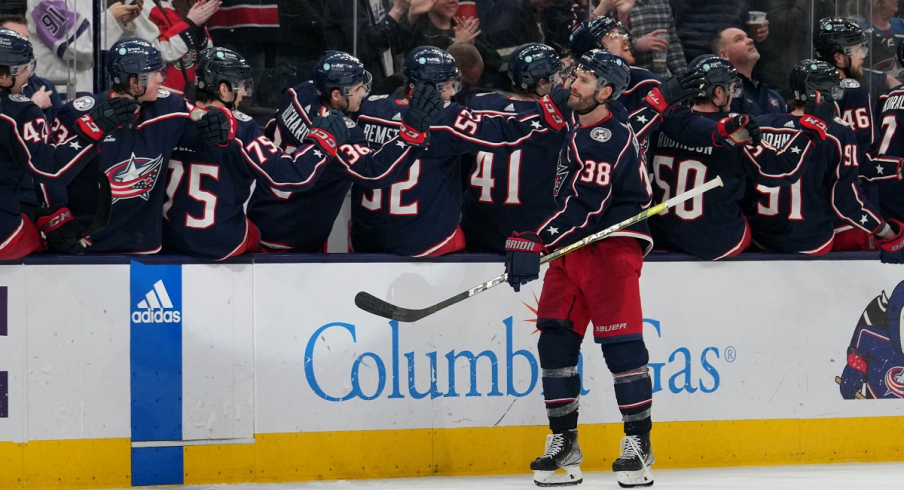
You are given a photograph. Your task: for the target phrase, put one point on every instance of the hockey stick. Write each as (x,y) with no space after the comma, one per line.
(377,306)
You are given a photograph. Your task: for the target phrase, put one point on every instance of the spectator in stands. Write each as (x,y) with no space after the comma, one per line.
(884,27)
(252,28)
(792,23)
(652,29)
(382,32)
(756,98)
(63,42)
(698,22)
(182,36)
(439,28)
(469,62)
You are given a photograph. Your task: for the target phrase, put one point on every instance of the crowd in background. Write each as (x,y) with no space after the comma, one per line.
(282,40)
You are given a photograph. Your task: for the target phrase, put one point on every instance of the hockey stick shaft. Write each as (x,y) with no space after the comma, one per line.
(377,306)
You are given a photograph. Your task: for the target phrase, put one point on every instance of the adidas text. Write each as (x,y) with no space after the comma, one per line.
(156,316)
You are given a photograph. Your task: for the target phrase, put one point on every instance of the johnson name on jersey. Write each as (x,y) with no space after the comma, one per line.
(801,217)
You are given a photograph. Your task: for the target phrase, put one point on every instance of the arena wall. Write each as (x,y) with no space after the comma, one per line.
(117,373)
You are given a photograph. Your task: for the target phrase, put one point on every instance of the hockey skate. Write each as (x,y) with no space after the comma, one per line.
(632,468)
(562,451)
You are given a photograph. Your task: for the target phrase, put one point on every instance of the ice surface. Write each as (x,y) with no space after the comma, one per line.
(872,476)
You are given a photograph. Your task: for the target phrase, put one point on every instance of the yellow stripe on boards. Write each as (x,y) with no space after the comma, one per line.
(105,463)
(77,463)
(10,465)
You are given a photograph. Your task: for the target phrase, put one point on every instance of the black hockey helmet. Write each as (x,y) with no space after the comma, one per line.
(810,75)
(587,34)
(532,61)
(610,70)
(716,72)
(15,51)
(338,70)
(836,35)
(134,56)
(431,64)
(221,65)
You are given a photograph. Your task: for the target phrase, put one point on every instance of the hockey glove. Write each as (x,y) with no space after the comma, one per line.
(891,248)
(737,130)
(217,124)
(424,107)
(105,117)
(329,132)
(61,232)
(522,258)
(674,91)
(818,112)
(554,106)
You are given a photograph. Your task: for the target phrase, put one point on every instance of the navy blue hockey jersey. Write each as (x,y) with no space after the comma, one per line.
(207,187)
(600,181)
(24,150)
(419,212)
(856,109)
(891,144)
(801,217)
(134,159)
(510,188)
(302,221)
(712,225)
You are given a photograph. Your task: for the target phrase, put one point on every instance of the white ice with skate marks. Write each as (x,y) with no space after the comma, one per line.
(873,476)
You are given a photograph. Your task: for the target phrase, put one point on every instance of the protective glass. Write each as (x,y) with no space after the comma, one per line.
(30,66)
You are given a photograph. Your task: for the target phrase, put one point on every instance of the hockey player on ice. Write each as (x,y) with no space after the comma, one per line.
(598,185)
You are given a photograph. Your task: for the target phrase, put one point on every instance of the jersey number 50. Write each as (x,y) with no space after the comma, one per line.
(690,174)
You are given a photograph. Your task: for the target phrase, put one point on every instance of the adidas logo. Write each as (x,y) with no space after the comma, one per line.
(307,109)
(397,117)
(156,307)
(509,108)
(789,124)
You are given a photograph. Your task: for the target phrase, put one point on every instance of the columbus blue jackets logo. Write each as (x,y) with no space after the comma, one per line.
(875,356)
(134,177)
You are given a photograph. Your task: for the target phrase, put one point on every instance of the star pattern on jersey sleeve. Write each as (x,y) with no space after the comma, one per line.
(642,118)
(75,146)
(795,150)
(880,170)
(863,220)
(318,154)
(535,124)
(400,144)
(552,230)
